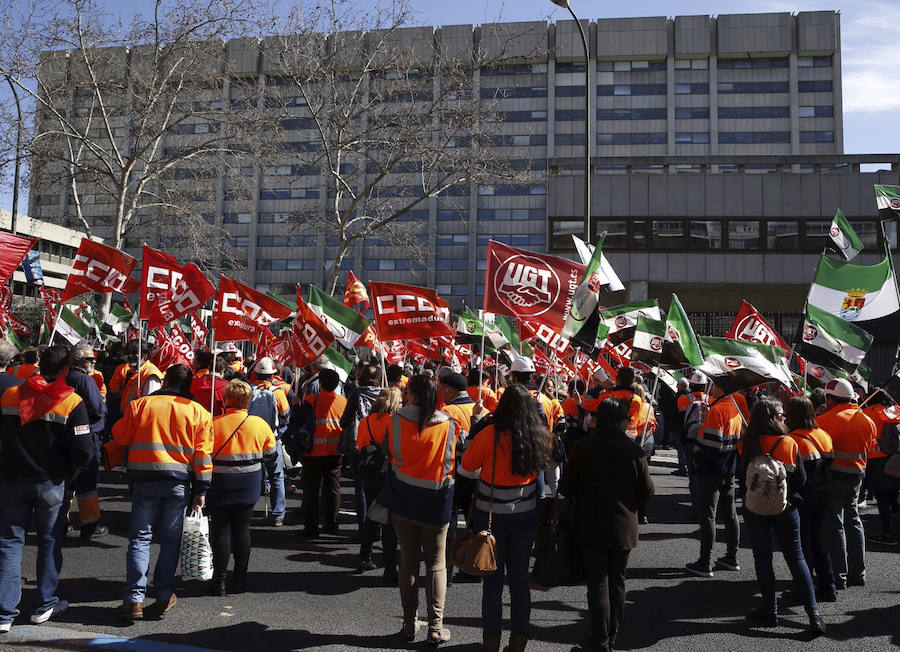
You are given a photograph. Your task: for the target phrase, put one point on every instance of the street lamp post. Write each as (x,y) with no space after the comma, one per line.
(587,122)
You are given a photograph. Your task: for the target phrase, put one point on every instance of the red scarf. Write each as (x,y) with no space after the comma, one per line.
(37,397)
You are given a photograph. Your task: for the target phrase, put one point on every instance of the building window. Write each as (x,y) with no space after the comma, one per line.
(696,137)
(743,234)
(782,235)
(868,231)
(691,64)
(568,115)
(753,137)
(568,139)
(631,89)
(516,92)
(753,62)
(823,111)
(656,138)
(743,112)
(691,113)
(816,136)
(691,89)
(667,234)
(735,88)
(570,91)
(705,235)
(817,62)
(522,116)
(815,86)
(632,114)
(616,233)
(563,67)
(561,232)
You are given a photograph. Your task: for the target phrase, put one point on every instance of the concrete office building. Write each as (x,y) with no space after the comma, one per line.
(717,159)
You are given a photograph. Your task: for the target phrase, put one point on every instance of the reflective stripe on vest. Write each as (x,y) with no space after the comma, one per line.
(397,462)
(507,508)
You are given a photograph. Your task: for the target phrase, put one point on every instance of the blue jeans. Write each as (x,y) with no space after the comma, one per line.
(847,540)
(274,481)
(814,514)
(515,538)
(162,504)
(19,502)
(786,527)
(361,497)
(682,456)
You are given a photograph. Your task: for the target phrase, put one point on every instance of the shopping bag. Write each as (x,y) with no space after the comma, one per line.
(557,559)
(196,553)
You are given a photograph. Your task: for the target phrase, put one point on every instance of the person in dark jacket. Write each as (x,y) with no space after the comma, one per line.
(242,444)
(81,363)
(608,476)
(7,353)
(45,437)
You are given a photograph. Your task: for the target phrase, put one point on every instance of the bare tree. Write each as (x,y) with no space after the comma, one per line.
(135,119)
(393,118)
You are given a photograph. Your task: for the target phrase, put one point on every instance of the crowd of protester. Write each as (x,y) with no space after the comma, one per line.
(426,446)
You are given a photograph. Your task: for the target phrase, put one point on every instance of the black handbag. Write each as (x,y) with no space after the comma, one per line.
(372,460)
(557,558)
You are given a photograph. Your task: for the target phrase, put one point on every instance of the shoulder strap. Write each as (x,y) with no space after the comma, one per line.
(229,437)
(811,441)
(493,475)
(772,450)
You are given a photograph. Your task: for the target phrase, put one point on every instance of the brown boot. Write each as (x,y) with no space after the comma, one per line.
(517,643)
(490,643)
(130,611)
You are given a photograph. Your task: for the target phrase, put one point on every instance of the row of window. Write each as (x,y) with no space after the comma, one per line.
(699,137)
(289,193)
(285,241)
(282,264)
(676,234)
(532,214)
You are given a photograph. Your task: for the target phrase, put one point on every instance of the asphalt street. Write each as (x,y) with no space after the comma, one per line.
(307,595)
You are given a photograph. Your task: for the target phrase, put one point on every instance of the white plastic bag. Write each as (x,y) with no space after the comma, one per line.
(196,553)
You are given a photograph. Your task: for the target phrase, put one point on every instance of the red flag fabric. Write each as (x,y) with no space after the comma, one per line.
(184,348)
(168,290)
(428,352)
(37,397)
(98,268)
(407,312)
(243,313)
(13,249)
(396,353)
(530,286)
(165,352)
(199,333)
(355,292)
(749,325)
(51,297)
(310,338)
(368,339)
(18,326)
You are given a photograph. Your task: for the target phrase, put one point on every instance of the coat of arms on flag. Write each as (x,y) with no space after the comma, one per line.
(852,304)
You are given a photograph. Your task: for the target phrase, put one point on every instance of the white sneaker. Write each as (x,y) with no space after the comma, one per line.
(4,627)
(59,608)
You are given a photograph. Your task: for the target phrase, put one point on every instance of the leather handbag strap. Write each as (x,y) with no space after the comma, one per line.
(229,438)
(493,475)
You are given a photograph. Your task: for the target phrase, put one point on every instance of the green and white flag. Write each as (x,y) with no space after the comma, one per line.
(623,317)
(649,337)
(607,275)
(857,293)
(587,295)
(820,375)
(681,348)
(345,324)
(117,319)
(12,338)
(833,342)
(338,362)
(71,327)
(842,238)
(736,364)
(887,198)
(469,327)
(511,332)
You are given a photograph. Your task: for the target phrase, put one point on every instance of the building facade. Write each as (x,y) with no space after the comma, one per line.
(709,135)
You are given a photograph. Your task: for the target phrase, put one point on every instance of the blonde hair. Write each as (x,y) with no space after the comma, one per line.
(389,401)
(238,394)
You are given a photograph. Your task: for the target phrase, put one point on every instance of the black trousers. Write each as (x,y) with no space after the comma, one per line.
(321,484)
(605,570)
(229,533)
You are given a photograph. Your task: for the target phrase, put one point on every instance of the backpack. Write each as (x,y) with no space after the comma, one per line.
(263,405)
(766,483)
(889,441)
(694,418)
(372,460)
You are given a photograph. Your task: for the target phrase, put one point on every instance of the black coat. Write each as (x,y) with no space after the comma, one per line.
(608,477)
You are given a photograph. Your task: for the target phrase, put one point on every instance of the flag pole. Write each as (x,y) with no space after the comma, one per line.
(212,372)
(549,369)
(743,420)
(652,397)
(481,355)
(140,331)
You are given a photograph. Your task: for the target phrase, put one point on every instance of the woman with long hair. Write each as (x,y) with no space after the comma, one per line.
(370,432)
(817,452)
(608,476)
(510,452)
(418,492)
(766,434)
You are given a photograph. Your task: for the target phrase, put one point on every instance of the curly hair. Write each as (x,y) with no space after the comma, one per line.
(517,414)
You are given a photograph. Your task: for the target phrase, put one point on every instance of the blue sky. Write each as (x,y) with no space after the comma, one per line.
(870,48)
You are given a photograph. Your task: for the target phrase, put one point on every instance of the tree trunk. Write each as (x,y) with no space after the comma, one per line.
(335,271)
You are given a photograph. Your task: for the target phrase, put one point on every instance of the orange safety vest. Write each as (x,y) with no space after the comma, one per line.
(786,452)
(723,426)
(878,414)
(570,407)
(462,412)
(423,459)
(851,433)
(98,378)
(513,494)
(23,371)
(124,381)
(489,397)
(329,408)
(165,436)
(371,429)
(243,453)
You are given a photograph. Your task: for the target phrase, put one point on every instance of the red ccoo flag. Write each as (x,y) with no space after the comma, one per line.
(531,286)
(102,269)
(168,290)
(310,337)
(407,312)
(355,292)
(243,313)
(13,249)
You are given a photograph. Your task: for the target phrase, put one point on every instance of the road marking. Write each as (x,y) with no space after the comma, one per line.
(74,639)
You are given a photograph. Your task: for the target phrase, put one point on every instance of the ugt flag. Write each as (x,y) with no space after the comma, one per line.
(531,286)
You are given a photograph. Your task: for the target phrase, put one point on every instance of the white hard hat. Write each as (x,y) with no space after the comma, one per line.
(522,364)
(265,366)
(698,378)
(840,388)
(229,347)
